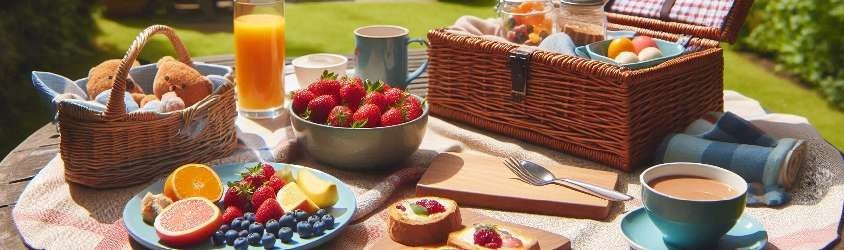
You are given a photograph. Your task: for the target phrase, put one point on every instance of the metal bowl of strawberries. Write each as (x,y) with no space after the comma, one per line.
(354,124)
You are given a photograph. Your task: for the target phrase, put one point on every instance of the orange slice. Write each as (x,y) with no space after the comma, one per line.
(193,180)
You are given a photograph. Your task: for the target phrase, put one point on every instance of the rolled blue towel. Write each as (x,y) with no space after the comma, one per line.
(729,127)
(756,164)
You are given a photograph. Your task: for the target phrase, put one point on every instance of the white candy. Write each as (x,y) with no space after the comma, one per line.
(649,53)
(626,57)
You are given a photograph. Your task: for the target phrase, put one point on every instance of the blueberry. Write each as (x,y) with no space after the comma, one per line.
(256,227)
(219,238)
(240,243)
(250,216)
(328,220)
(301,215)
(236,223)
(272,226)
(268,240)
(285,234)
(243,233)
(244,225)
(304,229)
(321,212)
(319,227)
(254,239)
(287,221)
(313,219)
(224,227)
(230,236)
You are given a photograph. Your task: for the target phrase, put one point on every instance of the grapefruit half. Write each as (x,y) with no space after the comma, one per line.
(187,222)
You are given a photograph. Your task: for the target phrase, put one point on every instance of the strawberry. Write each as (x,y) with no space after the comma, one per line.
(393,96)
(412,108)
(270,209)
(253,176)
(351,94)
(231,213)
(275,182)
(301,99)
(261,194)
(377,99)
(393,116)
(319,107)
(487,236)
(326,85)
(367,116)
(237,195)
(267,171)
(340,116)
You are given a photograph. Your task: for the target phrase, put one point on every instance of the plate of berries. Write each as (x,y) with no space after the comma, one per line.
(240,206)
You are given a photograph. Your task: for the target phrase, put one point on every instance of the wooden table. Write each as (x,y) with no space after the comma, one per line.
(23,162)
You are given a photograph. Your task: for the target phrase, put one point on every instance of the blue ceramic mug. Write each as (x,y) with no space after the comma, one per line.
(687,223)
(381,54)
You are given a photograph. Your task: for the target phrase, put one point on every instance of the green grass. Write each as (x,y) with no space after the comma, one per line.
(327,27)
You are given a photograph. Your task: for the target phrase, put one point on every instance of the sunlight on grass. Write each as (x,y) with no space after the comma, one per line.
(779,95)
(327,27)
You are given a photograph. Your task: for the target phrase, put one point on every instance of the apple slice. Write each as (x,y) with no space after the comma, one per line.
(291,197)
(322,192)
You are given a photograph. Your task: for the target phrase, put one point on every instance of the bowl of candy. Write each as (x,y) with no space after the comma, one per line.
(526,21)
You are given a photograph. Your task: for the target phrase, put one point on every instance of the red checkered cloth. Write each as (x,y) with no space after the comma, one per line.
(710,13)
(642,8)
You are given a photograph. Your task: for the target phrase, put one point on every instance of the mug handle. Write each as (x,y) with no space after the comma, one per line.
(416,73)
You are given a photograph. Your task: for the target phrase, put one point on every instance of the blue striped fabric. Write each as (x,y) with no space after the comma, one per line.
(729,127)
(756,164)
(728,141)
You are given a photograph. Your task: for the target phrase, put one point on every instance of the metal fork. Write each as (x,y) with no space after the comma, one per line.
(537,175)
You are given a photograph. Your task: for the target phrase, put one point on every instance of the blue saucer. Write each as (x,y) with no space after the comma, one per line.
(641,233)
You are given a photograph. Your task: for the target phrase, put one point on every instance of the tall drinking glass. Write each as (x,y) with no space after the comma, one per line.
(259,57)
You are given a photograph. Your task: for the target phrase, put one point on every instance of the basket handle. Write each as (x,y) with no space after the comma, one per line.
(116,108)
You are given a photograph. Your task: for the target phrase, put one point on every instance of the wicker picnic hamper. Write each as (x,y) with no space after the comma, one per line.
(117,149)
(587,108)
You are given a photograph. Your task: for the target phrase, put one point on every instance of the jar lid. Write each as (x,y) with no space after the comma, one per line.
(582,2)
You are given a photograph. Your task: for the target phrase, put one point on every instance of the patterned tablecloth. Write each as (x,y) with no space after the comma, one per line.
(54,214)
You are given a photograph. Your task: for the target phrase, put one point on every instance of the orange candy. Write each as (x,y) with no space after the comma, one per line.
(619,45)
(193,180)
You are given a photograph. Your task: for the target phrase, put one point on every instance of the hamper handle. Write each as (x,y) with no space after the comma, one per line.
(115,108)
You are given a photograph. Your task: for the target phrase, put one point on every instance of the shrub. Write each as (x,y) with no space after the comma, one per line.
(805,38)
(46,35)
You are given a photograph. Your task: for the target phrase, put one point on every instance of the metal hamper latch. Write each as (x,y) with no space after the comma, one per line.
(518,61)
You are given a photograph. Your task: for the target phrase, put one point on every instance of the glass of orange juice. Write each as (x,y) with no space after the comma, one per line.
(259,57)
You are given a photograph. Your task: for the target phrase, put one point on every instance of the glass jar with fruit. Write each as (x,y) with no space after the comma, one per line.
(526,21)
(583,20)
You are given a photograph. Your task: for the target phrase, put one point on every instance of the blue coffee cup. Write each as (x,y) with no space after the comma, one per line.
(381,54)
(688,223)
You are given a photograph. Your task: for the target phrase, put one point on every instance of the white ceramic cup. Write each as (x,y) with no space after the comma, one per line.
(308,68)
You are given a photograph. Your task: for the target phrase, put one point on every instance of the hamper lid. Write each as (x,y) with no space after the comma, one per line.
(712,19)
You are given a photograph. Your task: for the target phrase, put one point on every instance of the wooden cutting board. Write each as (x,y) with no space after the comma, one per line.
(478,180)
(546,239)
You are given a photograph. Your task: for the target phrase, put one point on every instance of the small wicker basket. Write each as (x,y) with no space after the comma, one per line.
(588,108)
(116,149)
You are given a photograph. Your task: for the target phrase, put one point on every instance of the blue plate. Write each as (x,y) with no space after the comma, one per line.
(342,211)
(598,51)
(641,233)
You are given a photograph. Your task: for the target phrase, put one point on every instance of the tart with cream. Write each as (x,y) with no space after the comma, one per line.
(423,220)
(489,236)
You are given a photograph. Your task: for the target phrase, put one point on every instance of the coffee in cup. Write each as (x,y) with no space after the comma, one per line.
(692,204)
